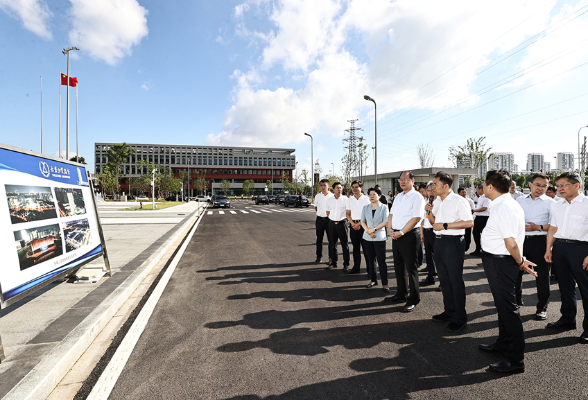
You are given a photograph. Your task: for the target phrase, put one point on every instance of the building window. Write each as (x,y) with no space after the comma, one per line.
(265,162)
(274,162)
(167,159)
(226,161)
(209,160)
(133,170)
(230,172)
(97,169)
(240,160)
(250,172)
(255,162)
(215,172)
(230,160)
(151,159)
(183,159)
(200,160)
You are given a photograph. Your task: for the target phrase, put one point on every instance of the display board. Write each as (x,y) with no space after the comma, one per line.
(49,225)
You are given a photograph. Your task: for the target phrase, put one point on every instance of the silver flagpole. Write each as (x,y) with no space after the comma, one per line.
(60,114)
(41,114)
(67,112)
(77,150)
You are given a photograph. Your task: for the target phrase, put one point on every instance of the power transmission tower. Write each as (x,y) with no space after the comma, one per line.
(583,165)
(351,160)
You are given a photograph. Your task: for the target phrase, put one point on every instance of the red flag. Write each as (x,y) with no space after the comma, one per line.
(73,82)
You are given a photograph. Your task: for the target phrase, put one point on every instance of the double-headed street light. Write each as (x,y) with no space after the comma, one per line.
(368,98)
(66,51)
(311,164)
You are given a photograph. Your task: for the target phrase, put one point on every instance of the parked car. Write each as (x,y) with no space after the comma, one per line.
(295,201)
(272,199)
(254,197)
(281,199)
(220,201)
(142,198)
(262,199)
(202,197)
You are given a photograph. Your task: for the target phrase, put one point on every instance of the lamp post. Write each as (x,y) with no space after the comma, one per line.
(311,165)
(368,98)
(579,159)
(66,51)
(296,176)
(333,165)
(153,190)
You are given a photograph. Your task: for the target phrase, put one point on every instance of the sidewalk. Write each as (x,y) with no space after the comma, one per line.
(46,332)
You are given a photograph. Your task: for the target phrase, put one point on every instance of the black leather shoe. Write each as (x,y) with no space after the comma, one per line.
(491,348)
(454,328)
(506,367)
(520,303)
(584,338)
(318,260)
(352,271)
(475,253)
(331,266)
(345,268)
(371,285)
(428,282)
(442,317)
(386,290)
(438,289)
(396,298)
(408,308)
(541,315)
(564,326)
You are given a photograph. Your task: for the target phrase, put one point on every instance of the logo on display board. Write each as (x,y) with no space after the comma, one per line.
(44,168)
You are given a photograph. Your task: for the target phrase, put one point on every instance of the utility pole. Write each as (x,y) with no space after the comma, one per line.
(66,51)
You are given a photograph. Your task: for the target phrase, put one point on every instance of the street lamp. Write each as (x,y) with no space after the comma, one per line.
(311,164)
(153,190)
(333,164)
(368,98)
(579,161)
(66,51)
(296,176)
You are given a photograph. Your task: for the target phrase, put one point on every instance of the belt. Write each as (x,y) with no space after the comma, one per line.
(445,236)
(529,237)
(571,241)
(412,230)
(355,221)
(338,222)
(322,217)
(428,229)
(485,253)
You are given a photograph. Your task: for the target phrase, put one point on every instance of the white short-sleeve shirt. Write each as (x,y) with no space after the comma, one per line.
(571,219)
(483,201)
(407,206)
(537,211)
(454,208)
(426,222)
(320,202)
(356,205)
(507,220)
(337,208)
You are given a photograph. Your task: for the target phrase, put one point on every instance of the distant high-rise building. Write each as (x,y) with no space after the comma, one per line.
(516,168)
(535,162)
(503,160)
(565,161)
(546,166)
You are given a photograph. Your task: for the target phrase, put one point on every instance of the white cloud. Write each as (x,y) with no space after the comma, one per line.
(240,9)
(219,39)
(147,85)
(107,29)
(34,15)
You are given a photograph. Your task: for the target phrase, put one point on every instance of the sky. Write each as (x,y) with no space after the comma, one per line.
(261,73)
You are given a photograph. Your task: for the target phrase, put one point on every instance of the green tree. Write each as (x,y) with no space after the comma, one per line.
(305,179)
(118,154)
(82,160)
(471,155)
(247,186)
(200,183)
(108,181)
(270,185)
(520,180)
(225,186)
(285,182)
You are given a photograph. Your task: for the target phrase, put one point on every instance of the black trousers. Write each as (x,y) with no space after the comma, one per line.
(534,250)
(449,256)
(376,251)
(567,259)
(468,238)
(502,274)
(358,246)
(479,225)
(405,252)
(429,235)
(322,226)
(339,232)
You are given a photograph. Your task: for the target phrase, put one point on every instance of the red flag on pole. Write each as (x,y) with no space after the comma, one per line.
(73,82)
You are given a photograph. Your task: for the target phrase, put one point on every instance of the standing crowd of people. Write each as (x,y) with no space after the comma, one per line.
(539,233)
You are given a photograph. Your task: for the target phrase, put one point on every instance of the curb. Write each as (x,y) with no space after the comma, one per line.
(46,375)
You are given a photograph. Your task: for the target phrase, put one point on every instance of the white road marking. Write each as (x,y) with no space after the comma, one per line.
(233,212)
(210,213)
(257,212)
(221,212)
(266,211)
(109,377)
(244,212)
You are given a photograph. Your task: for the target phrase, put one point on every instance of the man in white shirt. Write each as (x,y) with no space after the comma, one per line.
(537,207)
(481,212)
(355,205)
(428,240)
(513,190)
(567,248)
(336,211)
(468,232)
(552,192)
(407,211)
(502,243)
(322,221)
(450,218)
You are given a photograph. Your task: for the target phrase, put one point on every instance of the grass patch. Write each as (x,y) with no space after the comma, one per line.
(158,205)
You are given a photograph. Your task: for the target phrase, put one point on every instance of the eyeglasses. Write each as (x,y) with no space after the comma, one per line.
(564,185)
(405,180)
(539,185)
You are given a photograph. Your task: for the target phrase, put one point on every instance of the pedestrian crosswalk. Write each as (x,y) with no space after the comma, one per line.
(259,211)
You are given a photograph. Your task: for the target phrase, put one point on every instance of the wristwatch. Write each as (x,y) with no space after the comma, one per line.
(522,261)
(541,228)
(445,225)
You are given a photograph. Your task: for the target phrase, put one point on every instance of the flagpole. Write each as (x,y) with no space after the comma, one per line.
(59,113)
(41,113)
(67,113)
(77,136)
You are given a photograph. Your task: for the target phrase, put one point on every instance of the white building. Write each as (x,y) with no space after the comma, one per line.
(535,162)
(565,161)
(546,167)
(502,160)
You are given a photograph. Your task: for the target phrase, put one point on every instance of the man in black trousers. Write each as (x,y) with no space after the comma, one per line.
(355,205)
(468,232)
(428,240)
(337,211)
(322,220)
(481,212)
(406,213)
(502,243)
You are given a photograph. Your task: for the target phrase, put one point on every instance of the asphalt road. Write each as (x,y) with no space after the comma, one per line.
(248,315)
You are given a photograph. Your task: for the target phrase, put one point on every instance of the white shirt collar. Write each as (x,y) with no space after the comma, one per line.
(499,200)
(542,197)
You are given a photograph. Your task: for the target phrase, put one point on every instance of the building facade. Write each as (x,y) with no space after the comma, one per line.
(565,161)
(235,164)
(503,160)
(535,162)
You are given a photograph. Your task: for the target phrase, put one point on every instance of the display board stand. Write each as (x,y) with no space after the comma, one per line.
(2,356)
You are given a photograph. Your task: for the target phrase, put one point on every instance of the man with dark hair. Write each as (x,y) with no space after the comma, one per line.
(407,211)
(481,212)
(322,220)
(537,207)
(336,211)
(567,248)
(450,217)
(513,190)
(355,205)
(428,240)
(468,232)
(552,192)
(383,199)
(502,242)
